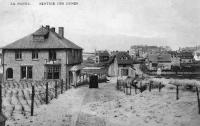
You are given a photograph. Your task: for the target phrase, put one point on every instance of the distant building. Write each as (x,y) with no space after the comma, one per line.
(197,55)
(155,61)
(87,55)
(188,49)
(141,51)
(121,64)
(175,58)
(43,54)
(101,56)
(186,57)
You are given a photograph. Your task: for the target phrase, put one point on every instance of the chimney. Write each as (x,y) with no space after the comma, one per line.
(52,29)
(61,31)
(47,27)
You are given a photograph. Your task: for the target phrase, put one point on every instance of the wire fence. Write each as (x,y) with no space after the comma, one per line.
(127,85)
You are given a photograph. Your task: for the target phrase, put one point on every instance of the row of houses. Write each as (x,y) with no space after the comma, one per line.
(116,63)
(47,54)
(167,60)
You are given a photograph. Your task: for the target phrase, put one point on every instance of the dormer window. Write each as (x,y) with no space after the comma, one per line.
(18,55)
(38,38)
(124,58)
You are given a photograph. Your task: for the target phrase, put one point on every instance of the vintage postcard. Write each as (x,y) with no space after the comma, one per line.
(99,62)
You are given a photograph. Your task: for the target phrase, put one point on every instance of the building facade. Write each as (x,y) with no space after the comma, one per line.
(43,54)
(121,64)
(101,56)
(186,57)
(197,55)
(155,61)
(175,58)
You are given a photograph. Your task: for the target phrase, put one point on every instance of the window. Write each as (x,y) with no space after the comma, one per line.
(53,72)
(34,54)
(124,58)
(97,60)
(124,72)
(9,73)
(18,55)
(26,72)
(154,64)
(52,55)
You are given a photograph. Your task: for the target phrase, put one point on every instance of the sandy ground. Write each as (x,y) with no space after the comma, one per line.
(108,107)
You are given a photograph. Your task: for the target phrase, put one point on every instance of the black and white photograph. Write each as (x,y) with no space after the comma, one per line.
(99,62)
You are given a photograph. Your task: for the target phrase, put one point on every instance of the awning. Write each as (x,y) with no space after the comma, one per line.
(76,68)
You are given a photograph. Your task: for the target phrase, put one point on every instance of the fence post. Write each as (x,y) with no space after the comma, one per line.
(117,85)
(197,90)
(124,87)
(130,88)
(140,86)
(177,92)
(47,93)
(159,87)
(0,98)
(32,100)
(55,89)
(61,86)
(135,88)
(150,86)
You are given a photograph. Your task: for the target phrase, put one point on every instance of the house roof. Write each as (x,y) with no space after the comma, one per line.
(102,53)
(155,58)
(186,55)
(123,58)
(52,41)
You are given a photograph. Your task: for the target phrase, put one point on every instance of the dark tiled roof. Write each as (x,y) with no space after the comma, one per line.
(52,41)
(123,58)
(186,55)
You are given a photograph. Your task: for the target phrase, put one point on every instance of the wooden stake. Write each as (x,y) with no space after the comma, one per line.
(55,89)
(124,87)
(1,98)
(150,86)
(159,87)
(32,100)
(135,88)
(47,93)
(177,92)
(61,86)
(198,100)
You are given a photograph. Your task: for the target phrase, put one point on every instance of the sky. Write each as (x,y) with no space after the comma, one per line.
(107,24)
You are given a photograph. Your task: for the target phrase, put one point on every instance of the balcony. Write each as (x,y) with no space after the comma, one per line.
(51,62)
